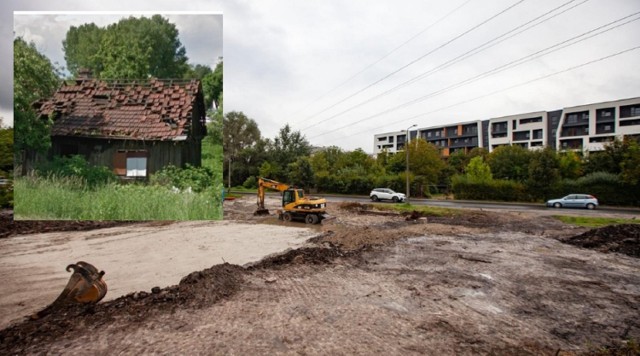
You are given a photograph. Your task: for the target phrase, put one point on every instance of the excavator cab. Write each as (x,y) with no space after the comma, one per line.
(291,195)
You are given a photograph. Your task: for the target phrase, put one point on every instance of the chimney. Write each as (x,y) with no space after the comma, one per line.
(84,74)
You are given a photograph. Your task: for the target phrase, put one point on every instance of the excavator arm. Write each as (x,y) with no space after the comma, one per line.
(264,183)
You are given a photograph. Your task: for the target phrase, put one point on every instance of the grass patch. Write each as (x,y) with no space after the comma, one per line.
(425,210)
(64,198)
(593,221)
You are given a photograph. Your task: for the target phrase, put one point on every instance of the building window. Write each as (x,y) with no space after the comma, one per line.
(130,163)
(630,123)
(390,139)
(537,134)
(136,166)
(521,135)
(607,114)
(382,138)
(531,119)
(630,110)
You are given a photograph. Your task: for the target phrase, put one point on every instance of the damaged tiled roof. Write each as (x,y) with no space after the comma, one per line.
(145,110)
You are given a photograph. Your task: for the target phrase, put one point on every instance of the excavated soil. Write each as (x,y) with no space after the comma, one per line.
(624,238)
(496,283)
(9,227)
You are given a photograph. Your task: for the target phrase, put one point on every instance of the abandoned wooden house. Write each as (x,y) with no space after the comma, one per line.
(133,127)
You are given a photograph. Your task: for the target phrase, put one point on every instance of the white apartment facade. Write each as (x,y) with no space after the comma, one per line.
(585,127)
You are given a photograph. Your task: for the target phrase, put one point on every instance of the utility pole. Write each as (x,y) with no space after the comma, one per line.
(406,149)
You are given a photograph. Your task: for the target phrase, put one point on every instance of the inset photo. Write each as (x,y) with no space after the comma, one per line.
(118,116)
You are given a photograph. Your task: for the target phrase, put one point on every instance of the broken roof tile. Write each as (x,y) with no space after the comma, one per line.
(137,109)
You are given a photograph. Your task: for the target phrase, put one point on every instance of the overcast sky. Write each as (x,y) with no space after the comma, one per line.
(342,71)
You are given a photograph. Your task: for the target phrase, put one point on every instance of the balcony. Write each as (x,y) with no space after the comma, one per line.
(464,143)
(607,115)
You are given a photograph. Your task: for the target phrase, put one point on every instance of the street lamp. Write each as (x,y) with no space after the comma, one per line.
(406,149)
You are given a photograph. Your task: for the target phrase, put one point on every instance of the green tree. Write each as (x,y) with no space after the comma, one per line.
(477,170)
(510,162)
(608,160)
(212,87)
(570,165)
(34,78)
(239,133)
(132,48)
(287,146)
(6,150)
(425,165)
(630,165)
(197,71)
(81,47)
(544,173)
(301,173)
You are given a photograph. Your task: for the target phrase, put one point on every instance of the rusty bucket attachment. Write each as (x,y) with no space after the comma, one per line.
(85,286)
(261,212)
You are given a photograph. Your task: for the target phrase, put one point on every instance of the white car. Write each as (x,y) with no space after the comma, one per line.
(574,201)
(386,194)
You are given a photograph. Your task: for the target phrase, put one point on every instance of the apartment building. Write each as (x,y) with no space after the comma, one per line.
(585,127)
(526,130)
(591,126)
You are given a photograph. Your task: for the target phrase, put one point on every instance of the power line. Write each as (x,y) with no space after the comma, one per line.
(512,64)
(501,90)
(489,44)
(385,56)
(518,85)
(414,61)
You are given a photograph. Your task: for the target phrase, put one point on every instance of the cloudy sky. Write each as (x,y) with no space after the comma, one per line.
(342,71)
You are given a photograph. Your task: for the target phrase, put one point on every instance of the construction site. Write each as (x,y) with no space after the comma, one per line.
(365,281)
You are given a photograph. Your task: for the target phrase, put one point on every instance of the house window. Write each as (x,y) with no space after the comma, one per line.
(136,166)
(130,163)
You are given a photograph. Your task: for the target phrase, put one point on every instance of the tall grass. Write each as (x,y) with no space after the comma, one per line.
(62,198)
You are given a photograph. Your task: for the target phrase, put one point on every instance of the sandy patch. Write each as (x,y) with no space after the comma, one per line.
(135,258)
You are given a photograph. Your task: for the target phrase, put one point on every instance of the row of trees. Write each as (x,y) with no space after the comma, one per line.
(507,173)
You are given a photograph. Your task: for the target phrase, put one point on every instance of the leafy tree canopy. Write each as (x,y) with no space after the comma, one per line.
(132,48)
(34,78)
(212,87)
(510,162)
(477,170)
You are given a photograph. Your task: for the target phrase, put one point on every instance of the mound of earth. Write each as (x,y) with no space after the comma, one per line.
(10,227)
(624,238)
(196,291)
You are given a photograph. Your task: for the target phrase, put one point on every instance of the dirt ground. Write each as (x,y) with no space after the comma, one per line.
(379,283)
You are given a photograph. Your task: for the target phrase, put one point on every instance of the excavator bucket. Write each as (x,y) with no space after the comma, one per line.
(262,211)
(85,286)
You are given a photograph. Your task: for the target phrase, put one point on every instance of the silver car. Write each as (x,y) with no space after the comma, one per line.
(386,194)
(575,201)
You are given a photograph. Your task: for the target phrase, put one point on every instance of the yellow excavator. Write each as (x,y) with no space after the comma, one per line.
(295,205)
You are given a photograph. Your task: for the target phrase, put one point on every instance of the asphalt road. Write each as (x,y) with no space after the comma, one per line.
(602,210)
(468,204)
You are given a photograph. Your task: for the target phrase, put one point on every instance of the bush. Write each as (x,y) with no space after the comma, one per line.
(197,178)
(497,189)
(6,197)
(250,183)
(77,166)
